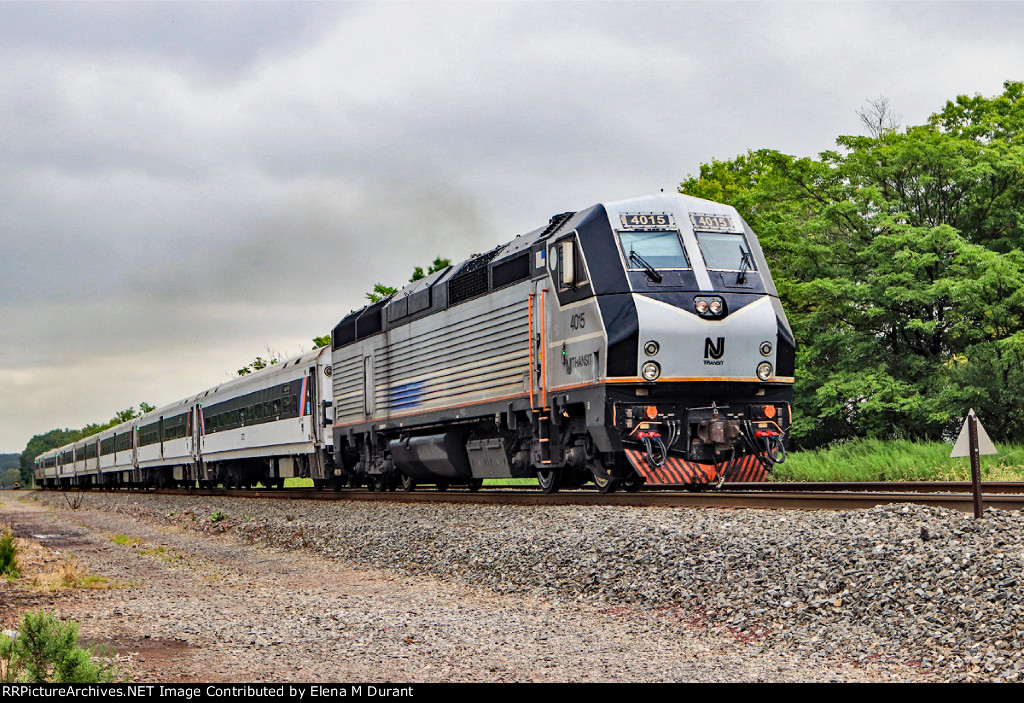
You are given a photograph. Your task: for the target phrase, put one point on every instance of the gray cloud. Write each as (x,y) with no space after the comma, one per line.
(183,184)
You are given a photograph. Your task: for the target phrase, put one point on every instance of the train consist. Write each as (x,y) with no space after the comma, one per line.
(262,427)
(637,341)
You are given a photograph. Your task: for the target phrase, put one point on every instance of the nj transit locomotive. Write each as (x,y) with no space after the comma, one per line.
(638,341)
(634,341)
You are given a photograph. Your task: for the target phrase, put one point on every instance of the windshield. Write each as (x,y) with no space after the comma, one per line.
(725,251)
(662,250)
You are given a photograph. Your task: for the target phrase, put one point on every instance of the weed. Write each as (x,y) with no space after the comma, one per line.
(45,650)
(161,552)
(74,500)
(248,518)
(70,574)
(124,540)
(9,556)
(217,516)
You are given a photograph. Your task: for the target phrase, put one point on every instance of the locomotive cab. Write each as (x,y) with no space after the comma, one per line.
(698,356)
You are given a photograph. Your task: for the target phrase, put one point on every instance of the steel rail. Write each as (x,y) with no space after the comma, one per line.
(987,487)
(793,500)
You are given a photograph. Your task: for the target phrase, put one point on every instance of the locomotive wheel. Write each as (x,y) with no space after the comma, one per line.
(632,485)
(605,481)
(408,484)
(606,485)
(549,480)
(475,484)
(371,484)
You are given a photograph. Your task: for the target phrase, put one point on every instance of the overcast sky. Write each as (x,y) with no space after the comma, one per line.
(184,185)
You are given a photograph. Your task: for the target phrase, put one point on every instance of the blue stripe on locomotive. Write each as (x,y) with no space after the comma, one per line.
(406,396)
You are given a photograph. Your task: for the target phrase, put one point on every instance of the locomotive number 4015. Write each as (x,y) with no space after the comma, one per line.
(645,220)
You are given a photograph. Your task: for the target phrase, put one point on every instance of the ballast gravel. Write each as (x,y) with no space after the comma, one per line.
(890,593)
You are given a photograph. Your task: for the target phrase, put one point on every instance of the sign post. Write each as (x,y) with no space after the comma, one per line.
(973,442)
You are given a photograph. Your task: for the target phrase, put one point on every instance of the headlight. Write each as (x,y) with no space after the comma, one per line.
(651,348)
(709,306)
(764,370)
(650,371)
(766,348)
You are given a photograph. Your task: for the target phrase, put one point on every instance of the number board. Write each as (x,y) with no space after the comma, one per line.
(647,220)
(704,222)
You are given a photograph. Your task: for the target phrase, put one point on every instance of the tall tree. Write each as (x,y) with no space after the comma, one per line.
(898,258)
(380,291)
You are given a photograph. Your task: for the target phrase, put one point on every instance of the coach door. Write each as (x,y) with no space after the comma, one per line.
(315,413)
(195,419)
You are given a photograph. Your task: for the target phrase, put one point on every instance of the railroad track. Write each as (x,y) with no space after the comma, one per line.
(801,496)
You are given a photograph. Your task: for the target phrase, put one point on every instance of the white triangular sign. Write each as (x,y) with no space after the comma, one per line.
(963,442)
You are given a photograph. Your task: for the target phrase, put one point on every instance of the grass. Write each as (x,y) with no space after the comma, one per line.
(897,460)
(70,574)
(171,556)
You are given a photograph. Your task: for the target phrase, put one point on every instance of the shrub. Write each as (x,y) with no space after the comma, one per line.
(45,650)
(9,556)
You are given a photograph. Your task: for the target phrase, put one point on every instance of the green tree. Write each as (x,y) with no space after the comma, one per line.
(380,291)
(438,265)
(260,363)
(41,443)
(898,258)
(11,476)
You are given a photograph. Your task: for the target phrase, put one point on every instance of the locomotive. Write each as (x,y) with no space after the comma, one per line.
(636,341)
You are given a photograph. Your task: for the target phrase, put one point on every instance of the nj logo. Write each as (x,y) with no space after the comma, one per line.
(714,350)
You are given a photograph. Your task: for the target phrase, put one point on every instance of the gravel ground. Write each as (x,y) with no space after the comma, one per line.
(310,591)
